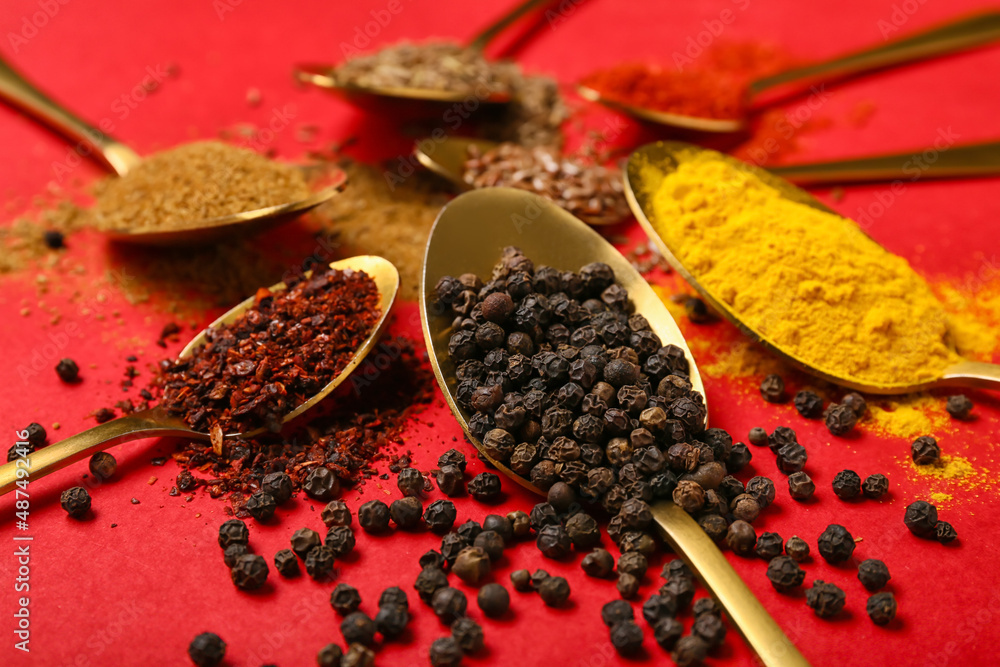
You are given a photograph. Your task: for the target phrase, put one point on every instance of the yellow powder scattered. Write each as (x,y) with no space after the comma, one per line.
(939,499)
(909,416)
(949,467)
(954,478)
(809,281)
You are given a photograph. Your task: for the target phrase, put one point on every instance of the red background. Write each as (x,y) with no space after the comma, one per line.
(137,593)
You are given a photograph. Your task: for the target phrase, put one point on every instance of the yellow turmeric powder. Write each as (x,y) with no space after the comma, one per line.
(810,282)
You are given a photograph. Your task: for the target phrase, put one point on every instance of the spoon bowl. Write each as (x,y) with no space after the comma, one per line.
(645,170)
(157,422)
(468,237)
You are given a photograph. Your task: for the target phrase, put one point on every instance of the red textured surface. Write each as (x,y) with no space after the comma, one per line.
(137,593)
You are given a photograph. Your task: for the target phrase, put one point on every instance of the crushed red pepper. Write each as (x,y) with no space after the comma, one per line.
(274,357)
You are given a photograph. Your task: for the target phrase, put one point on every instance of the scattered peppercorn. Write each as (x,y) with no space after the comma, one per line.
(329,656)
(697,311)
(840,419)
(321,483)
(406,512)
(472,565)
(667,631)
(102,466)
(358,655)
(801,486)
(875,486)
(809,404)
(250,572)
(468,634)
(855,402)
(207,650)
(286,563)
(319,562)
(36,435)
(944,532)
(554,591)
(494,600)
(847,484)
(410,482)
(797,549)
(358,628)
(762,489)
(706,606)
(68,371)
(959,406)
(835,544)
(921,518)
(757,437)
(391,620)
(925,450)
(233,531)
(626,637)
(689,651)
(336,513)
(553,541)
(772,388)
(340,540)
(710,629)
(429,581)
(658,607)
(521,580)
(785,574)
(873,574)
(445,652)
(303,541)
(485,487)
(681,589)
(627,585)
(769,545)
(261,506)
(826,600)
(881,608)
(278,485)
(583,531)
(520,523)
(633,563)
(745,508)
(741,538)
(54,239)
(449,604)
(491,543)
(440,515)
(792,458)
(232,552)
(373,516)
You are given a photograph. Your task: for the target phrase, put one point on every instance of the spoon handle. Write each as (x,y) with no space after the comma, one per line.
(144,424)
(971,374)
(965,33)
(935,162)
(21,93)
(487,34)
(747,614)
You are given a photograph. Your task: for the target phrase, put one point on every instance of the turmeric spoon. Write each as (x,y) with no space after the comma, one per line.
(467,237)
(965,33)
(156,422)
(665,156)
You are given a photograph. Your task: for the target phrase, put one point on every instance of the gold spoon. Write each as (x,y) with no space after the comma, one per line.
(322,76)
(447,157)
(467,237)
(156,422)
(666,156)
(965,33)
(121,159)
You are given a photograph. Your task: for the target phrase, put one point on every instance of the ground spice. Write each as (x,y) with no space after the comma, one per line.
(275,356)
(192,183)
(951,479)
(832,297)
(23,242)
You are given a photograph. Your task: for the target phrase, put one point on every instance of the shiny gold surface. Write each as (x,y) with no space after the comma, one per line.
(120,158)
(468,237)
(155,422)
(321,75)
(665,156)
(964,33)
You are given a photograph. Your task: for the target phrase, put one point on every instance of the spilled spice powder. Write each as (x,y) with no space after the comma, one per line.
(953,479)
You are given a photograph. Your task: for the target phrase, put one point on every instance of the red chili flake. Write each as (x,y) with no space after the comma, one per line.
(278,354)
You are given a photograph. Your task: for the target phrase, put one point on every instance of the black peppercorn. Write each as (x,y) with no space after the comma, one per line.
(497,307)
(855,402)
(450,480)
(207,650)
(667,631)
(345,599)
(406,512)
(233,531)
(881,608)
(791,458)
(485,487)
(319,562)
(286,563)
(561,496)
(232,552)
(431,558)
(358,655)
(835,544)
(615,612)
(875,486)
(392,596)
(553,541)
(769,545)
(840,419)
(68,371)
(340,540)
(598,563)
(76,502)
(873,574)
(757,437)
(583,531)
(959,406)
(429,581)
(739,457)
(468,634)
(826,600)
(741,538)
(681,589)
(847,484)
(451,545)
(706,606)
(491,543)
(249,572)
(279,485)
(745,508)
(626,637)
(689,651)
(329,656)
(925,450)
(797,549)
(710,629)
(410,482)
(445,652)
(102,465)
(373,516)
(772,388)
(785,574)
(554,591)
(440,515)
(762,489)
(452,457)
(689,496)
(391,620)
(714,525)
(472,565)
(800,486)
(944,532)
(658,607)
(501,525)
(494,600)
(321,483)
(469,530)
(261,506)
(921,518)
(809,404)
(449,604)
(358,628)
(303,541)
(521,581)
(627,585)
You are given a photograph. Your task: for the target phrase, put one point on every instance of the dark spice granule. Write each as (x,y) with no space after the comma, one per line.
(785,574)
(781,436)
(321,483)
(472,565)
(745,507)
(406,512)
(468,634)
(627,585)
(445,652)
(373,516)
(449,604)
(102,415)
(232,552)
(667,631)
(925,450)
(345,599)
(249,572)
(485,487)
(689,651)
(855,402)
(286,563)
(633,563)
(358,655)
(658,607)
(261,506)
(469,530)
(410,482)
(303,541)
(626,637)
(808,404)
(494,600)
(792,458)
(336,513)
(491,543)
(450,480)
(873,574)
(615,612)
(757,437)
(554,591)
(875,486)
(278,485)
(714,525)
(521,580)
(681,589)
(329,656)
(801,486)
(431,558)
(706,606)
(285,348)
(826,600)
(319,562)
(959,406)
(429,581)
(233,531)
(921,518)
(840,419)
(772,389)
(358,628)
(394,595)
(440,515)
(553,541)
(710,629)
(452,457)
(847,484)
(102,466)
(68,371)
(797,549)
(207,650)
(762,489)
(769,545)
(835,544)
(881,608)
(741,538)
(944,532)
(391,620)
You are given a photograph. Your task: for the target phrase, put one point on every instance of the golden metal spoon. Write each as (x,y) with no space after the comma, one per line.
(467,237)
(322,76)
(666,156)
(156,422)
(965,33)
(121,159)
